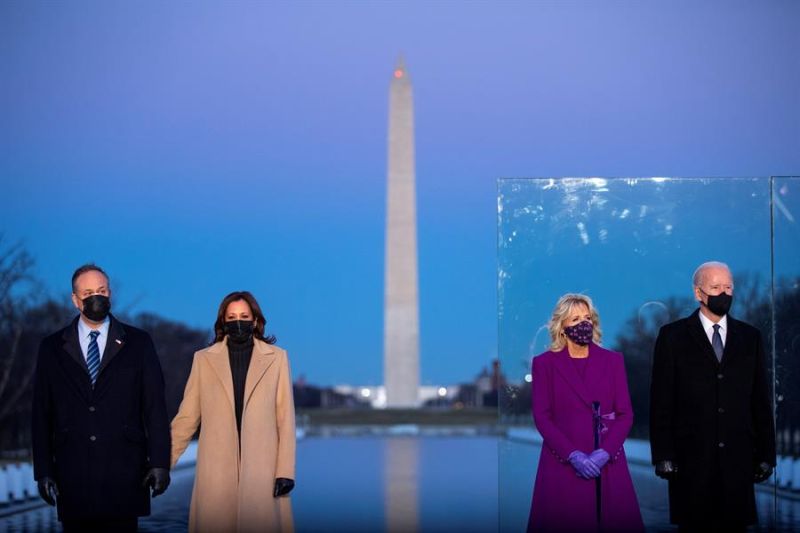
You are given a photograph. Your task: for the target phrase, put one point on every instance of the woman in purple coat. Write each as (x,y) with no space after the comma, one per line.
(581,486)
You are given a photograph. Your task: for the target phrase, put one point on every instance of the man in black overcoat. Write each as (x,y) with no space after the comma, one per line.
(712,434)
(100,430)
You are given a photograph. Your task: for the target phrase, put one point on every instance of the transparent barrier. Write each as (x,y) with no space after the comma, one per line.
(786,347)
(632,245)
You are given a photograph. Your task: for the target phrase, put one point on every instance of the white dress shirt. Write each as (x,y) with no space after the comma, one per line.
(708,326)
(84,338)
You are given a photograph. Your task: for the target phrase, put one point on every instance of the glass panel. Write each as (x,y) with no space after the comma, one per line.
(786,252)
(632,245)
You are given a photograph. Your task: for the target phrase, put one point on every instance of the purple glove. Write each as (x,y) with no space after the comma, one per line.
(599,457)
(583,465)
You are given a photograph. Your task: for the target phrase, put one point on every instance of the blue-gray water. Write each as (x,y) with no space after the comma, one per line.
(431,484)
(358,484)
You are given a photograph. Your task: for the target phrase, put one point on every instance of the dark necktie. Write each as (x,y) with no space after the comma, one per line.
(716,342)
(93,357)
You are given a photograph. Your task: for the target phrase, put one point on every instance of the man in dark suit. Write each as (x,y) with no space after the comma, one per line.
(712,435)
(100,430)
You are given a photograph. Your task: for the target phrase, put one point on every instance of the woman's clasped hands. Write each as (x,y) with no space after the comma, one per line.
(588,466)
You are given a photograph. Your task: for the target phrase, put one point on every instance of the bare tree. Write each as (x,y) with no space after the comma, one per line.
(16,279)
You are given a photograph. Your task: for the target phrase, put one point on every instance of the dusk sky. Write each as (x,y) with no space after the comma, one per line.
(192,149)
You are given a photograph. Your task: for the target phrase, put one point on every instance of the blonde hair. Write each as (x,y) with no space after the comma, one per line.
(562,310)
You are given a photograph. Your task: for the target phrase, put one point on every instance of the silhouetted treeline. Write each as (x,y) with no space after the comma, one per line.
(27,315)
(175,343)
(787,366)
(636,343)
(312,397)
(753,303)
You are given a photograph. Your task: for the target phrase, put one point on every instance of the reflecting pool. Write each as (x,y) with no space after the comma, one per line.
(364,483)
(410,483)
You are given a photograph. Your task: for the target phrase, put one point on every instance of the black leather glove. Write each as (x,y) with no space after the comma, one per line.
(48,490)
(157,479)
(666,470)
(763,471)
(283,486)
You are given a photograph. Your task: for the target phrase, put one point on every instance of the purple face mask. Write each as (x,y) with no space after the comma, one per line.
(580,333)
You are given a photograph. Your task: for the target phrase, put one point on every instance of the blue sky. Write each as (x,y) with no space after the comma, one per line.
(194,149)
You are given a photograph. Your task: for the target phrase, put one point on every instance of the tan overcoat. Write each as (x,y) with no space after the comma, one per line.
(233,489)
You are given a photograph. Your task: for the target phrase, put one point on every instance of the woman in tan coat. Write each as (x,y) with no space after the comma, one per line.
(239,393)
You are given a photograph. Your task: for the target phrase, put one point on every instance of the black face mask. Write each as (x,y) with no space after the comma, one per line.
(96,307)
(239,330)
(719,304)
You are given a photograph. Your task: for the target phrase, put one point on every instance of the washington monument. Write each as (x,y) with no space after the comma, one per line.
(401,303)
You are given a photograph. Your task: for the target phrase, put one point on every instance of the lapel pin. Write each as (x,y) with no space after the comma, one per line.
(118,341)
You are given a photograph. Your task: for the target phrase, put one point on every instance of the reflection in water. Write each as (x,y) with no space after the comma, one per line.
(41,519)
(653,315)
(401,468)
(354,484)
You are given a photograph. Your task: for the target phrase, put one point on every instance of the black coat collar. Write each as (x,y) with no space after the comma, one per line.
(700,338)
(115,342)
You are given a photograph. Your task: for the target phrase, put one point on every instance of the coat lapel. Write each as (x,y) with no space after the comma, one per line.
(114,343)
(731,341)
(79,374)
(72,345)
(221,364)
(262,359)
(699,336)
(570,374)
(597,372)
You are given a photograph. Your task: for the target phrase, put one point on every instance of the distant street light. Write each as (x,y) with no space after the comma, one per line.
(442,392)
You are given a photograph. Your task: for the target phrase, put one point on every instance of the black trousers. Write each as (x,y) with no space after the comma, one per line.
(122,525)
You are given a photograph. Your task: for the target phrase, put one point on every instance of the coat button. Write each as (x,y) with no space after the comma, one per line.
(721,444)
(720,410)
(92,438)
(720,376)
(91,409)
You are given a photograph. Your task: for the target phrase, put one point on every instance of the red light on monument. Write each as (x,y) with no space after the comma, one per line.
(398,73)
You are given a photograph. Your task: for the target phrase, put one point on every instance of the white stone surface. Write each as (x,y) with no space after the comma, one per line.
(15,484)
(796,474)
(401,301)
(4,488)
(28,483)
(784,471)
